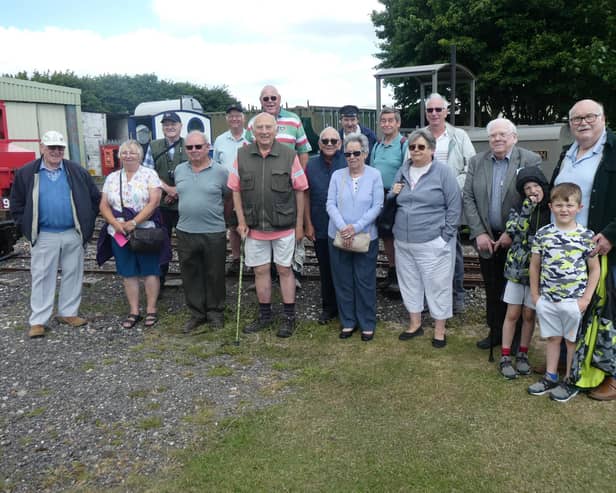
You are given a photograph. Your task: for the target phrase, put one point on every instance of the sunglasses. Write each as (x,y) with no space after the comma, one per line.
(329,141)
(55,148)
(432,110)
(267,99)
(354,153)
(419,147)
(196,146)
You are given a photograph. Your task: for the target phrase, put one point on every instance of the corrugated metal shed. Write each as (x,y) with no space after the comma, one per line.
(33,108)
(37,92)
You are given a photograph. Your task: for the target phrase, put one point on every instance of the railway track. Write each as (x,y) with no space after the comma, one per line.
(19,261)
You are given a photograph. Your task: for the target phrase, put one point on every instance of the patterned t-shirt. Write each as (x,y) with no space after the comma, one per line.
(564,272)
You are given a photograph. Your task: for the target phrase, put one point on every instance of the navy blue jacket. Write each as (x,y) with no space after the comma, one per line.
(319,174)
(24,199)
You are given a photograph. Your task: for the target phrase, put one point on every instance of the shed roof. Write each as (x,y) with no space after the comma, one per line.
(37,92)
(424,73)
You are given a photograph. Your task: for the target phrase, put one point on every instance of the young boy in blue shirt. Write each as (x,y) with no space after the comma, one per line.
(563,278)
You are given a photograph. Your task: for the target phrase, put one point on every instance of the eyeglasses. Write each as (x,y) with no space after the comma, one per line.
(432,110)
(589,118)
(327,142)
(170,124)
(55,148)
(196,146)
(129,153)
(267,99)
(419,147)
(354,153)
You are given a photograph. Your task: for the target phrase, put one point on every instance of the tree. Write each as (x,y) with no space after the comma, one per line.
(533,59)
(114,93)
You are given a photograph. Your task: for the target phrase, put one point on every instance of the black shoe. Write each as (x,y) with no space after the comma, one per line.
(325,317)
(192,324)
(287,327)
(485,343)
(439,343)
(345,334)
(405,336)
(257,325)
(233,269)
(367,336)
(216,321)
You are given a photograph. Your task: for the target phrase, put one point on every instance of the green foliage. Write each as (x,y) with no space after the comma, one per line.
(114,93)
(533,59)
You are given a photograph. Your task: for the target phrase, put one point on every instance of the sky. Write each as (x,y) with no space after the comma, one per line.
(318,51)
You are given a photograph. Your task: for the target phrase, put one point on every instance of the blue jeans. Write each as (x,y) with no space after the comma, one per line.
(354,276)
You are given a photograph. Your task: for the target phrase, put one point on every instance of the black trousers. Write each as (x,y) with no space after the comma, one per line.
(328,293)
(202,265)
(170,220)
(492,270)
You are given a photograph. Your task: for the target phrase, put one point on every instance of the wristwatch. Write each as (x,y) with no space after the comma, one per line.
(134,222)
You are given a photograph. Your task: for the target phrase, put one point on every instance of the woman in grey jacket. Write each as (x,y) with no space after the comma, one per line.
(429,209)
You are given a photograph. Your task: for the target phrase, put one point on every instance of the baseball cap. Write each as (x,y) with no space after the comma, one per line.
(349,110)
(172,116)
(53,138)
(235,107)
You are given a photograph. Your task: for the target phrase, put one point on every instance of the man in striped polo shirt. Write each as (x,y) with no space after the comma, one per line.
(291,133)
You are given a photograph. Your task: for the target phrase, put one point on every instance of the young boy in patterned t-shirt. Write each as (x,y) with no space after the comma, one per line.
(563,278)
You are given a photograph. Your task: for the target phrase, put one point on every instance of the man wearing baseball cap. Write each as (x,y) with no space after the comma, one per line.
(163,155)
(54,204)
(349,119)
(225,153)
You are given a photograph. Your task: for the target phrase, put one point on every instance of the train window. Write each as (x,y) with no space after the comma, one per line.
(195,124)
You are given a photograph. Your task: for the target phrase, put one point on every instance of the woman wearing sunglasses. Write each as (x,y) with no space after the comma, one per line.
(354,200)
(429,208)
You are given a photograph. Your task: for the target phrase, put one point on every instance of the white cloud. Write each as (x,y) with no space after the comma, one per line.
(321,53)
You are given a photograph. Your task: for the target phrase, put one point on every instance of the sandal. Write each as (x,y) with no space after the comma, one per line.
(150,320)
(130,321)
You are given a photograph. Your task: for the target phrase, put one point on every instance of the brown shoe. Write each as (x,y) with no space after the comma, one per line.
(72,321)
(36,331)
(606,391)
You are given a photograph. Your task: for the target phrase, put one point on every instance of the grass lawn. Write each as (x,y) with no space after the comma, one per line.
(393,416)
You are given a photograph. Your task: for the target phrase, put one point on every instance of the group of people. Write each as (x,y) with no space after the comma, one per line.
(537,242)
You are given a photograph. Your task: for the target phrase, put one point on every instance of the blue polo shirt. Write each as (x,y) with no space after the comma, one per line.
(388,158)
(319,174)
(201,198)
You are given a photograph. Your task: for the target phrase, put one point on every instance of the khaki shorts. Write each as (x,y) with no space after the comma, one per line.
(259,252)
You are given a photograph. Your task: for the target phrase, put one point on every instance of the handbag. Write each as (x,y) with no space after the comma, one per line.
(360,243)
(385,221)
(143,240)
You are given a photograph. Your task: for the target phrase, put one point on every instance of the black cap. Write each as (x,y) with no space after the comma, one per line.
(235,107)
(349,110)
(530,173)
(172,116)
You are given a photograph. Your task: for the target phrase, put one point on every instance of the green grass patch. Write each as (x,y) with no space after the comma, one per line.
(150,423)
(391,416)
(37,411)
(220,371)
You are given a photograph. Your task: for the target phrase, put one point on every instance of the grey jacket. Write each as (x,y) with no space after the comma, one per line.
(478,188)
(432,209)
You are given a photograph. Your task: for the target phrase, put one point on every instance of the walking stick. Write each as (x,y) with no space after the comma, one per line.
(239,296)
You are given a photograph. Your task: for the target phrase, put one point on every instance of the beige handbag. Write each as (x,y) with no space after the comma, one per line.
(360,244)
(361,241)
